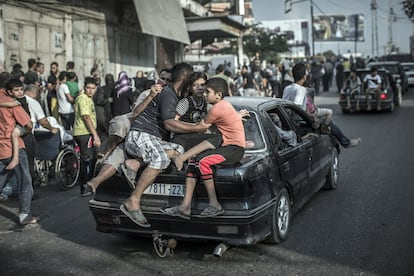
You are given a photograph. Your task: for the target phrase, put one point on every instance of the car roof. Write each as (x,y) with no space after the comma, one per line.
(254,102)
(373,63)
(362,70)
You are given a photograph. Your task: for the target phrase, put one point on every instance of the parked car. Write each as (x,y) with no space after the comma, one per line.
(396,70)
(272,181)
(409,72)
(391,94)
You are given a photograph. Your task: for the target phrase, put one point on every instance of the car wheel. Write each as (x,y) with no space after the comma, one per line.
(333,174)
(281,215)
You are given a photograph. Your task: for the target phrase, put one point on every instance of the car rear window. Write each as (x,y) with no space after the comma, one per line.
(254,136)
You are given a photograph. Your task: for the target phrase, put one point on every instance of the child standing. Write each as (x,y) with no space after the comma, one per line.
(209,153)
(85,133)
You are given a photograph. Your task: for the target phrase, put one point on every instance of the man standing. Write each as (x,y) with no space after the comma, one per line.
(9,118)
(52,80)
(31,76)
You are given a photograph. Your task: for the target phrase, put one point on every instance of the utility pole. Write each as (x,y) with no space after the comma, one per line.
(374,32)
(391,19)
(288,8)
(312,30)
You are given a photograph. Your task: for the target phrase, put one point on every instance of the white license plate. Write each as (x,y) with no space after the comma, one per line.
(362,97)
(165,189)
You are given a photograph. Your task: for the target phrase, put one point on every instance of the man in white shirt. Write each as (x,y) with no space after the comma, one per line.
(65,100)
(372,84)
(296,93)
(37,114)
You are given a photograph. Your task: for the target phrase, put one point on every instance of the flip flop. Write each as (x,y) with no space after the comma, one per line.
(175,212)
(130,175)
(211,211)
(136,216)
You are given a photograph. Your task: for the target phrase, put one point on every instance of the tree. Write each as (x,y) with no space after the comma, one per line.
(263,40)
(408,6)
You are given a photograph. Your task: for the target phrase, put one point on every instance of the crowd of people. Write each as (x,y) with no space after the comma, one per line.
(141,122)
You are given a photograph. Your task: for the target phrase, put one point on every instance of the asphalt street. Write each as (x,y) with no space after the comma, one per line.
(365,227)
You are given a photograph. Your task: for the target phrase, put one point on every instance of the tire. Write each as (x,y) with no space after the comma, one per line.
(281,216)
(345,111)
(333,175)
(67,166)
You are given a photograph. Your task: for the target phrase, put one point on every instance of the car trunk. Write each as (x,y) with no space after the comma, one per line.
(234,187)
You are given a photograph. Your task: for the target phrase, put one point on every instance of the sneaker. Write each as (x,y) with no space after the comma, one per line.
(29,220)
(86,191)
(354,143)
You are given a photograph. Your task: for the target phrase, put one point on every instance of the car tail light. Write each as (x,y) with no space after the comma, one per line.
(342,96)
(383,96)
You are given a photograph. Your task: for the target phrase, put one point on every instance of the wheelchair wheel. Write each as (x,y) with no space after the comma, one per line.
(67,169)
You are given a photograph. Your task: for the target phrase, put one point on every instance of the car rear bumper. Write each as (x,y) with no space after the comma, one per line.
(237,228)
(385,104)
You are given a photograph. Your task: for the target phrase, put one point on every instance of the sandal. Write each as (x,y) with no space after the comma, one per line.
(175,212)
(136,216)
(211,211)
(130,175)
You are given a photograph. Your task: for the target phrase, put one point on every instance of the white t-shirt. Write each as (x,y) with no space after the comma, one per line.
(36,111)
(373,81)
(64,106)
(296,93)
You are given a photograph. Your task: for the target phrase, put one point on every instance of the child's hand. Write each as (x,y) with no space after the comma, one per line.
(96,141)
(244,113)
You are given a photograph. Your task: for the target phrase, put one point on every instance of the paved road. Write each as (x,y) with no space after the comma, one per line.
(365,227)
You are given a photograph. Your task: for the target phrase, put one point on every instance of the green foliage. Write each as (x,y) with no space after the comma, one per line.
(329,54)
(265,41)
(259,39)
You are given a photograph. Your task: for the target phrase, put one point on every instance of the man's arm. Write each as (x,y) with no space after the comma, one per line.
(45,123)
(155,90)
(69,97)
(183,127)
(89,125)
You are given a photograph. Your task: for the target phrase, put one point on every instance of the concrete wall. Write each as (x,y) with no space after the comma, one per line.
(106,37)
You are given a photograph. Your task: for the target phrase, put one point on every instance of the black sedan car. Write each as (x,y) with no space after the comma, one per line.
(390,95)
(260,194)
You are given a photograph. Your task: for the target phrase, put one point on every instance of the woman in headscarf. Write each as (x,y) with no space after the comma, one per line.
(122,95)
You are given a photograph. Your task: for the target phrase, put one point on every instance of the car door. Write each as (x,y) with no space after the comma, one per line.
(313,146)
(295,161)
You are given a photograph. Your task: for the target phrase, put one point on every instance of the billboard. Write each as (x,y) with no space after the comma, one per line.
(339,27)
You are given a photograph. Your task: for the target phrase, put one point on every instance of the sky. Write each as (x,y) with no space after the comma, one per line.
(402,29)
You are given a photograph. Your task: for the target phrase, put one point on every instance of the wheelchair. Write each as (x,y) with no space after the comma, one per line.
(56,162)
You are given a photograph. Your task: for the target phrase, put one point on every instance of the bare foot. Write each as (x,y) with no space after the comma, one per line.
(131,204)
(179,163)
(13,163)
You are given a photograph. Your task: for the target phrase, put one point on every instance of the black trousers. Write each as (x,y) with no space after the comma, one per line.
(87,158)
(30,145)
